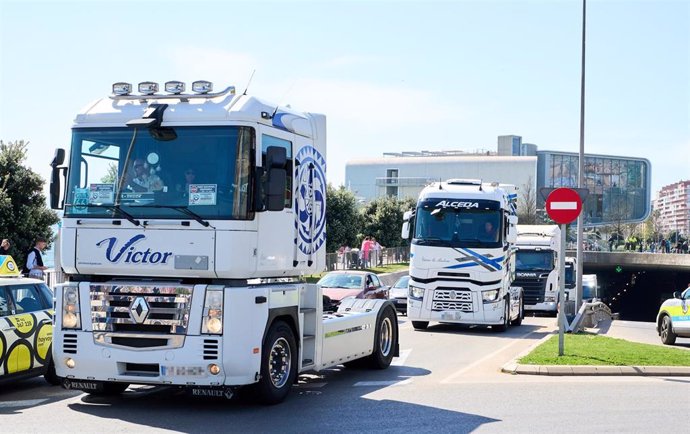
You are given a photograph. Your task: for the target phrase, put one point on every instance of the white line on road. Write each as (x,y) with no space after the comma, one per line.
(25,403)
(400,361)
(383,383)
(563,205)
(483,359)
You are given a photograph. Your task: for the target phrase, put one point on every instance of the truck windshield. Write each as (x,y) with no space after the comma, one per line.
(453,223)
(529,260)
(161,174)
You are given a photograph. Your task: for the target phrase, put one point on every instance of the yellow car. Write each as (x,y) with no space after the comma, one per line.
(26,326)
(673,319)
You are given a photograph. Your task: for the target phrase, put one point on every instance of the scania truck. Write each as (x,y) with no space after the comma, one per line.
(189,221)
(537,266)
(461,255)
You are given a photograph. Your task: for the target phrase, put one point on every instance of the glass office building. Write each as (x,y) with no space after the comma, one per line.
(619,187)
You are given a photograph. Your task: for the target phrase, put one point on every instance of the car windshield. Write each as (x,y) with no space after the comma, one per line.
(530,260)
(453,223)
(348,281)
(402,282)
(164,173)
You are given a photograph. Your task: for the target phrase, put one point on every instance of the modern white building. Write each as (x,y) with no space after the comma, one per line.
(673,203)
(404,174)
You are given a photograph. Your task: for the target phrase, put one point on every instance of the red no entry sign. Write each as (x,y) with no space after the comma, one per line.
(563,205)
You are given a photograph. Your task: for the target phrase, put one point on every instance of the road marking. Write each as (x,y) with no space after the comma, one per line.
(483,359)
(25,403)
(400,361)
(383,383)
(563,205)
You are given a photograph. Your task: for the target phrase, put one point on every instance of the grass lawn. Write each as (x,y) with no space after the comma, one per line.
(313,278)
(591,349)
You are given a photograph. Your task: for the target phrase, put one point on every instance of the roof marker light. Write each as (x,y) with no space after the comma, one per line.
(202,86)
(148,88)
(122,88)
(174,87)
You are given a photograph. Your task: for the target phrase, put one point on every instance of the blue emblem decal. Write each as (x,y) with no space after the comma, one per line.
(131,254)
(310,200)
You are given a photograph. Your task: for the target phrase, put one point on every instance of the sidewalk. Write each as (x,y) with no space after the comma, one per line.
(629,330)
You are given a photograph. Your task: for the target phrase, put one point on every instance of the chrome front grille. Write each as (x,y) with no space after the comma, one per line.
(452,299)
(452,305)
(149,309)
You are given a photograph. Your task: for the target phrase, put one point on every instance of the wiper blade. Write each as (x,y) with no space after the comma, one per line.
(117,208)
(183,210)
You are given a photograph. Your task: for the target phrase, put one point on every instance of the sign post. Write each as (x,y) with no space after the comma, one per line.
(563,206)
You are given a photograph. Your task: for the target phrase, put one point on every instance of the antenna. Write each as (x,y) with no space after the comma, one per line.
(249,82)
(284,95)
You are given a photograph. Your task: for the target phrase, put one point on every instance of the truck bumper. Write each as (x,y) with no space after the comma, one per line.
(488,314)
(189,365)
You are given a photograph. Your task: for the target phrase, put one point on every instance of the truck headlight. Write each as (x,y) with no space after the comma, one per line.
(490,296)
(212,322)
(550,298)
(71,318)
(416,293)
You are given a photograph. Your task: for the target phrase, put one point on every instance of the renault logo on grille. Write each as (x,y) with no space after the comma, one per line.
(139,310)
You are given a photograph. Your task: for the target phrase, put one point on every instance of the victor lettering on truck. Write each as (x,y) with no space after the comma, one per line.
(131,255)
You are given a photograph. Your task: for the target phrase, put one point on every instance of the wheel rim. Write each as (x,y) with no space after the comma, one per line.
(279,362)
(664,328)
(386,337)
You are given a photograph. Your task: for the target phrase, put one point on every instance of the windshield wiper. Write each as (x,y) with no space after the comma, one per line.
(117,208)
(183,210)
(431,240)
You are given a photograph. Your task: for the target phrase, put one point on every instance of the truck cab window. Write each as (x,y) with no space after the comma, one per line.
(267,141)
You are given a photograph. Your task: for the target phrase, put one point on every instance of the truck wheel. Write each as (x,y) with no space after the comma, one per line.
(50,376)
(521,314)
(420,325)
(506,319)
(666,331)
(385,340)
(278,364)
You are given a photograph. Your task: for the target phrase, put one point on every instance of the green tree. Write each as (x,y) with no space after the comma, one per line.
(343,221)
(383,218)
(24,214)
(111,175)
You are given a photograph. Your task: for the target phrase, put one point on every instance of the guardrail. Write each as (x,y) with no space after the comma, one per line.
(354,259)
(590,315)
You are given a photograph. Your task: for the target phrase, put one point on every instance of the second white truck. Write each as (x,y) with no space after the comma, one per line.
(536,266)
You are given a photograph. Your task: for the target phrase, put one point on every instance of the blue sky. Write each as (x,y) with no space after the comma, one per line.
(390,75)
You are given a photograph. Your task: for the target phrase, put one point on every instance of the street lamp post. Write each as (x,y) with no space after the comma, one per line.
(581,177)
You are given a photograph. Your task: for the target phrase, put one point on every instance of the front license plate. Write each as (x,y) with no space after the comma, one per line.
(186,371)
(451,315)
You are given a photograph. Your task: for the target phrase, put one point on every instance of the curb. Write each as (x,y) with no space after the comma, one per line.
(514,368)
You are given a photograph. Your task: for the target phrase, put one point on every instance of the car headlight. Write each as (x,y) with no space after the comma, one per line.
(490,296)
(71,318)
(212,321)
(416,293)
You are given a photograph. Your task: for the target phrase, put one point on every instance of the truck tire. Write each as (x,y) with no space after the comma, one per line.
(521,314)
(420,325)
(666,331)
(506,319)
(278,364)
(385,340)
(50,376)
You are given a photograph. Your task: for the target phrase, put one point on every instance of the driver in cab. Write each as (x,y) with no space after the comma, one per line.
(143,180)
(488,233)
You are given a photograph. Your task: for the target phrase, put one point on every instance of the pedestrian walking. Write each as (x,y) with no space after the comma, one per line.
(34,261)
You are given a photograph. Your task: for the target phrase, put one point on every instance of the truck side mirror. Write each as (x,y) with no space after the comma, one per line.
(276,180)
(511,238)
(405,233)
(56,177)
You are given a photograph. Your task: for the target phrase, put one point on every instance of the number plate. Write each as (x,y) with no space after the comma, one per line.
(451,315)
(187,371)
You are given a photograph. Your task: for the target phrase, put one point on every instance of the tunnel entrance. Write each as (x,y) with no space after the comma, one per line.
(636,294)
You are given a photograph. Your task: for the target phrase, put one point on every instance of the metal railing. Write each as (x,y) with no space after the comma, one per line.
(354,259)
(53,276)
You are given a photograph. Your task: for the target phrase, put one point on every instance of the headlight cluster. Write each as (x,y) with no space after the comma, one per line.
(416,293)
(212,322)
(490,296)
(550,298)
(71,319)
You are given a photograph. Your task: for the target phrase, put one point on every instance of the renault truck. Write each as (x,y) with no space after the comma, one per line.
(196,282)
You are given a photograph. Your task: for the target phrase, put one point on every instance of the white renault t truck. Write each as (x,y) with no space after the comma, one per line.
(461,255)
(189,219)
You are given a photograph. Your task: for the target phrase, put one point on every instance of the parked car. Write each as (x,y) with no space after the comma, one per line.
(398,294)
(673,319)
(337,285)
(26,326)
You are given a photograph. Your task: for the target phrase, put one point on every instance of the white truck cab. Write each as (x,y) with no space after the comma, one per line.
(537,266)
(188,221)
